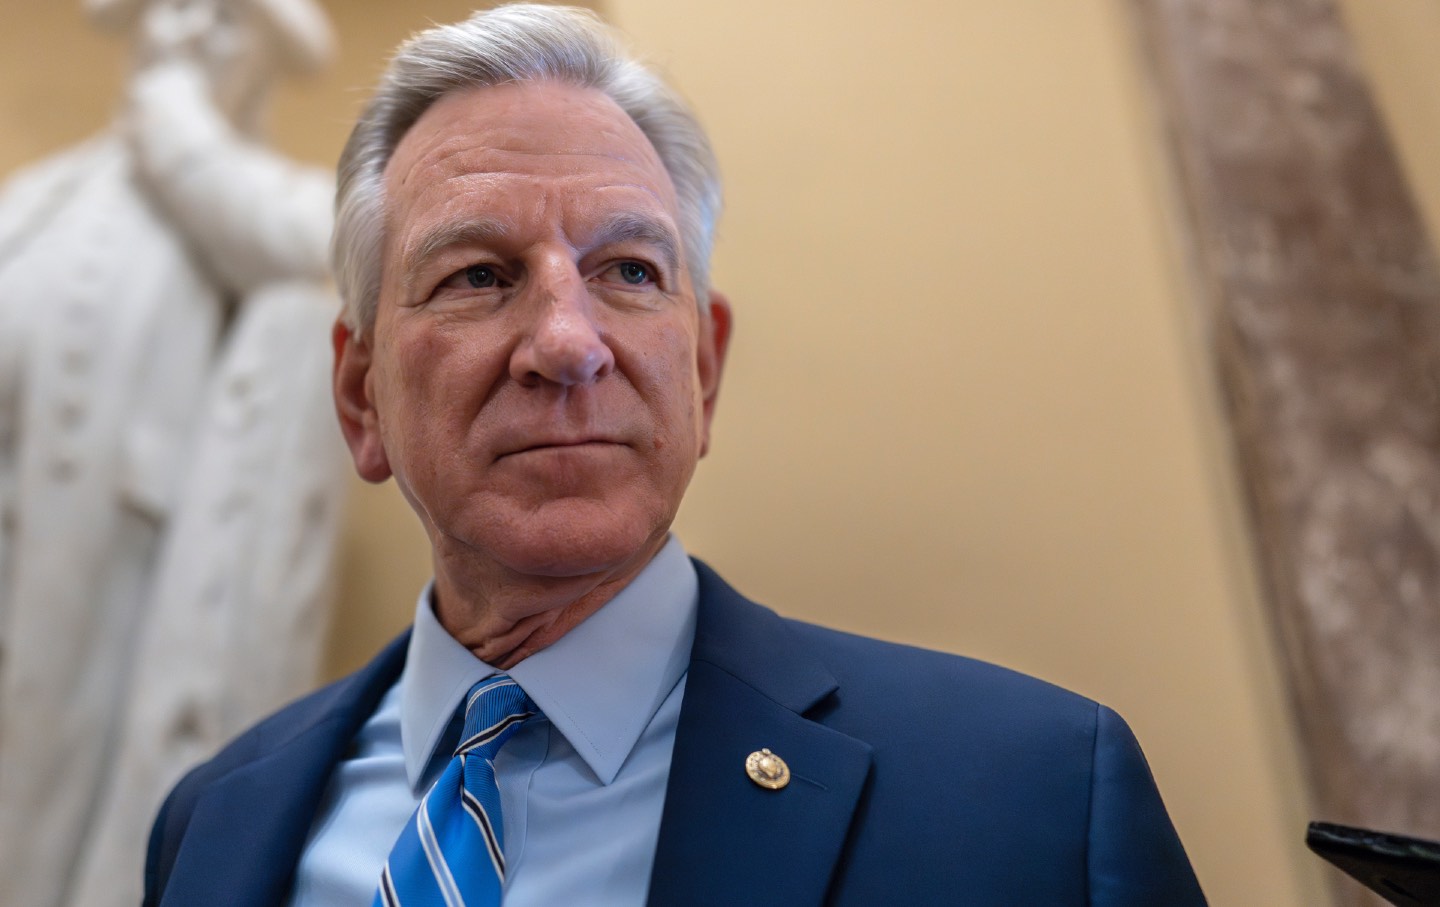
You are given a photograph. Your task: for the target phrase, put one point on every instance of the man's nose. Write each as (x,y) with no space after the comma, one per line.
(564,345)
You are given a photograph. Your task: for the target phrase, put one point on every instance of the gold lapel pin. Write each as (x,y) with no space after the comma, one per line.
(767,770)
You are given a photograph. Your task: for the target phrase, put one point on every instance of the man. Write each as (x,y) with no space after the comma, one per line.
(531,348)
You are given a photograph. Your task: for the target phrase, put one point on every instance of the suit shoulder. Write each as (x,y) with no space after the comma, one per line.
(897,696)
(896,667)
(330,714)
(271,732)
(872,676)
(349,699)
(173,819)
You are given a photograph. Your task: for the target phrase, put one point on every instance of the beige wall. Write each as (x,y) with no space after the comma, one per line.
(966,406)
(1400,48)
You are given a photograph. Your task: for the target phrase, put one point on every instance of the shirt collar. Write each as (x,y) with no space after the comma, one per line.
(599,684)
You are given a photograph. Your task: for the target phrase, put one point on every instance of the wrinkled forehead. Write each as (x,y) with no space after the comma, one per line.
(547,130)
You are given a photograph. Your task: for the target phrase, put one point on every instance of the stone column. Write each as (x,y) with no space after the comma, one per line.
(1321,305)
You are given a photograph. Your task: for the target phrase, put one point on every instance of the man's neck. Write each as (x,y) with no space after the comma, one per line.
(504,616)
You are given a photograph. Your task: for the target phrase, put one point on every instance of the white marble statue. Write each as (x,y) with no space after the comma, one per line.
(170,474)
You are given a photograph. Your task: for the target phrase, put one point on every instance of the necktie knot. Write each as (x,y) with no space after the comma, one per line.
(494,709)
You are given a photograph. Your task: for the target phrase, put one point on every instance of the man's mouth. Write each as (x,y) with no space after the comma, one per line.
(579,445)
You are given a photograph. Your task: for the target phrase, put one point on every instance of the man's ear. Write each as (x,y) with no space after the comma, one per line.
(715,323)
(359,422)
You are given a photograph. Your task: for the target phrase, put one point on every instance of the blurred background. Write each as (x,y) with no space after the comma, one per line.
(967,404)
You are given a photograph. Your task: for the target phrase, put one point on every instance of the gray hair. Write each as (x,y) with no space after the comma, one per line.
(517,43)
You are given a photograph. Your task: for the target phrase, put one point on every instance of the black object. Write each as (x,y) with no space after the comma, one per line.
(1405,871)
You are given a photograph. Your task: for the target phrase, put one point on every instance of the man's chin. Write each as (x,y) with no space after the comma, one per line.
(575,545)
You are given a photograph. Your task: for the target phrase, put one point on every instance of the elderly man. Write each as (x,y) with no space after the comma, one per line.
(582,714)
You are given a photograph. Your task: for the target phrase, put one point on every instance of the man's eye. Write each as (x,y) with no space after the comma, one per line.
(481,277)
(633,272)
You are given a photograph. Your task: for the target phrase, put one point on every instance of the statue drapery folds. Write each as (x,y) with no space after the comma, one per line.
(170,474)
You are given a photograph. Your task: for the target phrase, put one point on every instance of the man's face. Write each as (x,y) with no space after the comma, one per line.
(539,379)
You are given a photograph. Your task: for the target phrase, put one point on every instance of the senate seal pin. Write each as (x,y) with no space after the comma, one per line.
(767,770)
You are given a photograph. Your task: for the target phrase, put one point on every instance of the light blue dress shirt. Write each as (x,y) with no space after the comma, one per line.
(581,789)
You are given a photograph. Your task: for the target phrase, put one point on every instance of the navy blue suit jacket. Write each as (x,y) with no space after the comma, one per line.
(917,778)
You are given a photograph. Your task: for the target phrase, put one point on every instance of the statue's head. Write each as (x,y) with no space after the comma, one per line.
(240,43)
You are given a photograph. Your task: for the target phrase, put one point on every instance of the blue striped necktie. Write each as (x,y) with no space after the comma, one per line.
(451,853)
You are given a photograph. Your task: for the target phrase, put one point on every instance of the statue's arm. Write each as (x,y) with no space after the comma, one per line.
(253,216)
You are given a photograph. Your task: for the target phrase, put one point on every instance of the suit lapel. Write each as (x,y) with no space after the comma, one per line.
(724,839)
(247,830)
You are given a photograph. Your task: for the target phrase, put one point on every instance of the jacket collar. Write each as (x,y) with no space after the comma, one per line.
(723,838)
